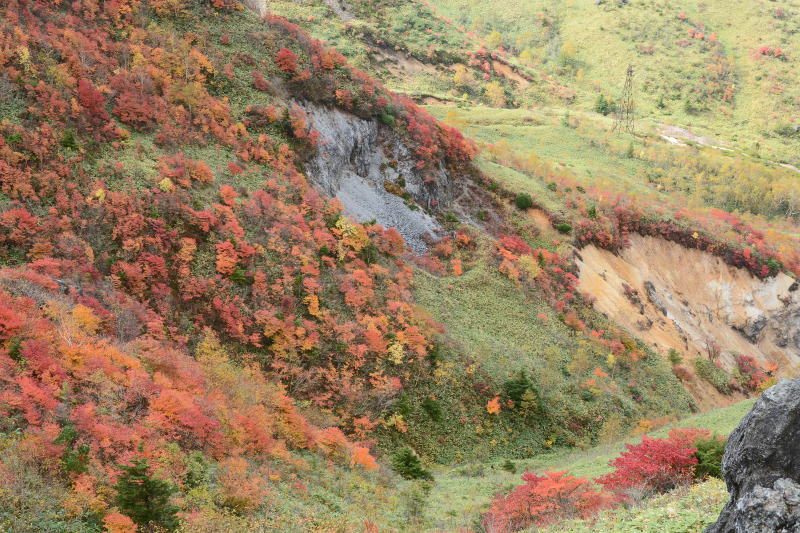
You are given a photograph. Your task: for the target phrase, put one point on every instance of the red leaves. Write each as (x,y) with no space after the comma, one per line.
(92,101)
(286,60)
(653,466)
(258,81)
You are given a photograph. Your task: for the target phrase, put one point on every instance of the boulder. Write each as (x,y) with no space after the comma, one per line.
(761,466)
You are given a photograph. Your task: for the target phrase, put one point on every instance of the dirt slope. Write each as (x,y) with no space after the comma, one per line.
(674,297)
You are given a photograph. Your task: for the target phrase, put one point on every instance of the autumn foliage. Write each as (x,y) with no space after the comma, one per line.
(543,500)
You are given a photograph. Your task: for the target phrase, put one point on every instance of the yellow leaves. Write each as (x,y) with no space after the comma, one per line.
(166,185)
(396,353)
(24,55)
(397,422)
(312,303)
(495,94)
(461,78)
(98,196)
(353,235)
(611,360)
(530,266)
(695,235)
(493,406)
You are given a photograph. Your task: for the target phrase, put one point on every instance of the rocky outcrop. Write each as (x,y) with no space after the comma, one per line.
(364,163)
(761,466)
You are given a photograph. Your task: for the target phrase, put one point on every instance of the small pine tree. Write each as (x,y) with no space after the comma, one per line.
(601,105)
(145,499)
(68,140)
(406,463)
(675,357)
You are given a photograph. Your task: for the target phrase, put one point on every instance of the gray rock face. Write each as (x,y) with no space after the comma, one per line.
(354,161)
(761,466)
(655,299)
(756,321)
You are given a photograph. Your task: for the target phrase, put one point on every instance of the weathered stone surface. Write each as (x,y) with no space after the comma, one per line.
(761,466)
(356,158)
(755,321)
(655,299)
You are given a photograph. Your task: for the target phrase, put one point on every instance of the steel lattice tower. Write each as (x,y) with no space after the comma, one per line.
(626,106)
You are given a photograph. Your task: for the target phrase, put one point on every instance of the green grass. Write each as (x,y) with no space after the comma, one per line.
(687,510)
(464,491)
(490,317)
(586,148)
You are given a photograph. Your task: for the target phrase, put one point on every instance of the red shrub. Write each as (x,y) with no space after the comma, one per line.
(286,60)
(653,466)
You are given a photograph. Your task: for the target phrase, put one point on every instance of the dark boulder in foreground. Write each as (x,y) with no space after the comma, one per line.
(761,466)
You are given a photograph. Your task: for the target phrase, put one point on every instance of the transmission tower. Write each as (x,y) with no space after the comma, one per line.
(626,106)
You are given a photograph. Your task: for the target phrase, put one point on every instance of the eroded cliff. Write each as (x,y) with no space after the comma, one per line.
(674,297)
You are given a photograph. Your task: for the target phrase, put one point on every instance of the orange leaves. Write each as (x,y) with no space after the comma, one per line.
(544,500)
(363,459)
(376,341)
(180,415)
(118,523)
(182,170)
(227,258)
(493,407)
(10,323)
(239,488)
(455,265)
(228,195)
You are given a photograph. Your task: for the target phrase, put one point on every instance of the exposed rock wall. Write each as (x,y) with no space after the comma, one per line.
(259,6)
(355,160)
(761,466)
(674,297)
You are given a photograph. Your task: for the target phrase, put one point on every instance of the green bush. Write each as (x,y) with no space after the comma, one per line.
(523,201)
(431,406)
(387,118)
(601,105)
(713,374)
(406,463)
(709,457)
(675,357)
(563,227)
(68,140)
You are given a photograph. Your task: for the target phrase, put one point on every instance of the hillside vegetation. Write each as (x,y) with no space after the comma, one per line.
(194,337)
